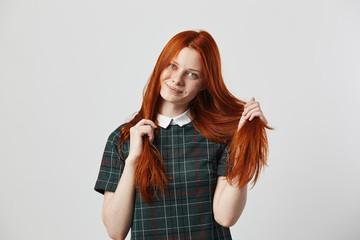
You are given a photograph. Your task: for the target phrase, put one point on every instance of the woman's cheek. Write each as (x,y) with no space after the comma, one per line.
(165,75)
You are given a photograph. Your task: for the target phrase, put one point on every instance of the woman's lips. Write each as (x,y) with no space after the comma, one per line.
(173,89)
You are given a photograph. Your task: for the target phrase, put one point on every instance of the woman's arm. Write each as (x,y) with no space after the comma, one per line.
(118,206)
(229,202)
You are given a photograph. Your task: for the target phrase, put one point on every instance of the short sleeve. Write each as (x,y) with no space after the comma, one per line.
(223,161)
(112,165)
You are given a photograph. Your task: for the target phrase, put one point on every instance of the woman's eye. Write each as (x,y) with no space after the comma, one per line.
(172,66)
(193,75)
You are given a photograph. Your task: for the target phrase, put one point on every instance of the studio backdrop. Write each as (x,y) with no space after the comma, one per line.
(71,72)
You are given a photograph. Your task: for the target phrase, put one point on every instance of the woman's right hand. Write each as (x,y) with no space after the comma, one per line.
(142,128)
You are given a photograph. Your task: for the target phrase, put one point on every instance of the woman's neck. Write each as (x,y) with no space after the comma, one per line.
(171,110)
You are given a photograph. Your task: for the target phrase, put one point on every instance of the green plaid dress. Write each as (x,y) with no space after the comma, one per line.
(185,211)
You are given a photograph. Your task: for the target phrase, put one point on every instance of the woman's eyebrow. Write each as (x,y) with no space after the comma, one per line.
(191,69)
(194,70)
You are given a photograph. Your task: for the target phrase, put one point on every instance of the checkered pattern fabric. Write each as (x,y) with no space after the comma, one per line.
(185,210)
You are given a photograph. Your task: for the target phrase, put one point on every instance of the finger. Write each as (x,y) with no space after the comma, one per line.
(249,102)
(141,130)
(151,136)
(144,133)
(249,108)
(252,106)
(147,130)
(146,122)
(256,114)
(257,109)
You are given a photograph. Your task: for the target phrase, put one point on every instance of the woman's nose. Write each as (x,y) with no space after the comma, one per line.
(177,78)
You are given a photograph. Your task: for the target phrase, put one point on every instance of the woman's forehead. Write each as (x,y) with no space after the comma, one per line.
(188,58)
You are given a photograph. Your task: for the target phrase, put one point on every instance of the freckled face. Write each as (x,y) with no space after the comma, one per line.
(181,80)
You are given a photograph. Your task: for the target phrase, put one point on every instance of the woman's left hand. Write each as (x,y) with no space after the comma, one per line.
(251,109)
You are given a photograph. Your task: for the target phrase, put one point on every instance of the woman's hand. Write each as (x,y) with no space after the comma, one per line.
(142,128)
(251,109)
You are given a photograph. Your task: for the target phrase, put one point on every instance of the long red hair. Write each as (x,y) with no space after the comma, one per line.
(215,113)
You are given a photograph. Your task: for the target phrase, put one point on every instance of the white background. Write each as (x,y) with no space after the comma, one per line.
(73,71)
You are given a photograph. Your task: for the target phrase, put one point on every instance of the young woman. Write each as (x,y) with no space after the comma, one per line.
(180,168)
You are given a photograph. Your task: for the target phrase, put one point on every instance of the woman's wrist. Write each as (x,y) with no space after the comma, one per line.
(131,161)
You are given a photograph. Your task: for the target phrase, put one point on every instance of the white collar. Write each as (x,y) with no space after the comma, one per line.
(180,120)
